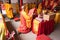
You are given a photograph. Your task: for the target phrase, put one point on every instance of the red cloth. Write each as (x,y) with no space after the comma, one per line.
(46,27)
(13,38)
(43,3)
(16,19)
(41,28)
(49,26)
(23,28)
(42,37)
(51,22)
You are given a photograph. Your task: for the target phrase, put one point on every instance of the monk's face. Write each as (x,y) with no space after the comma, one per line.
(46,3)
(51,3)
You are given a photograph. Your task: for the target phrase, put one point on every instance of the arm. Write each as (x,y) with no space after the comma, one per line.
(25,15)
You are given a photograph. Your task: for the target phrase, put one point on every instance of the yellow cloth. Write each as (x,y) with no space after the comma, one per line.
(36,25)
(2,29)
(9,10)
(39,11)
(25,15)
(28,23)
(57,18)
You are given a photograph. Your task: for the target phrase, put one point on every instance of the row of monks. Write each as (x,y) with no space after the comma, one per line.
(44,5)
(50,5)
(31,16)
(39,20)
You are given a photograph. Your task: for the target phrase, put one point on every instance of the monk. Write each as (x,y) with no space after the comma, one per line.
(39,10)
(9,11)
(25,21)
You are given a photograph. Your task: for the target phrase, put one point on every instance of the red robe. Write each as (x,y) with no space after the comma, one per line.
(26,21)
(23,28)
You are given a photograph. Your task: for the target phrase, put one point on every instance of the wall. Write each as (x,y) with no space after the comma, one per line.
(14,1)
(29,1)
(24,1)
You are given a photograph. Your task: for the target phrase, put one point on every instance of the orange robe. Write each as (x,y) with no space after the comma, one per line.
(39,10)
(9,11)
(57,18)
(26,20)
(25,23)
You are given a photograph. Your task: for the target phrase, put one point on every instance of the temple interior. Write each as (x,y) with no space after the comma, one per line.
(29,19)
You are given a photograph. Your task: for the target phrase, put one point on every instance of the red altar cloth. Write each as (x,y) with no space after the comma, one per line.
(42,27)
(38,26)
(43,37)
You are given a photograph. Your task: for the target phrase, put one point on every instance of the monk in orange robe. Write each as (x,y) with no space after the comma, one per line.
(39,10)
(9,11)
(25,22)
